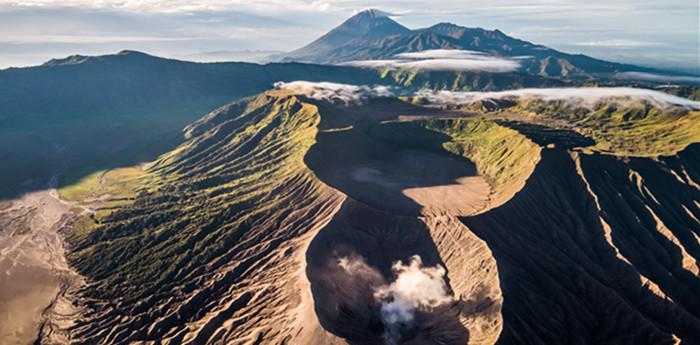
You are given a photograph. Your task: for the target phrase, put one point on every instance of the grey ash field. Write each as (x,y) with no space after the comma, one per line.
(546,201)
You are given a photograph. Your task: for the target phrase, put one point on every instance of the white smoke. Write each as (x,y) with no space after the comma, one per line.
(416,287)
(585,96)
(443,60)
(334,92)
(356,265)
(657,77)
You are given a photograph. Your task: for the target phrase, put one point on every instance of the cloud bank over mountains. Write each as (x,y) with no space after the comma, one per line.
(584,96)
(657,77)
(443,60)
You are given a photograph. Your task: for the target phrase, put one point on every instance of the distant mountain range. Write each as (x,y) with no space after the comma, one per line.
(230,55)
(93,112)
(127,107)
(373,35)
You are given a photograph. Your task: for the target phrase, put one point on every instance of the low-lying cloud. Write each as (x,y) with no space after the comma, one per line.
(585,96)
(416,288)
(443,54)
(617,43)
(657,77)
(335,92)
(443,60)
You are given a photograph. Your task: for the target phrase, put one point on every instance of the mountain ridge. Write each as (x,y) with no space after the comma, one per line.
(372,45)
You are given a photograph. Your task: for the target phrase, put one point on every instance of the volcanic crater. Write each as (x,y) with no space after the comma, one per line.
(403,188)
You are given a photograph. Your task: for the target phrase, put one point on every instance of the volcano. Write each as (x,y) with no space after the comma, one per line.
(333,214)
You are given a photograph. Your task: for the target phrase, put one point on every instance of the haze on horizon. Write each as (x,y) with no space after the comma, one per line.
(641,32)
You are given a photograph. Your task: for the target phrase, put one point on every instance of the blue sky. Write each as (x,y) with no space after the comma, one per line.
(658,33)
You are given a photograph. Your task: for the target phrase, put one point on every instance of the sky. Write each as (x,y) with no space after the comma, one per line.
(654,33)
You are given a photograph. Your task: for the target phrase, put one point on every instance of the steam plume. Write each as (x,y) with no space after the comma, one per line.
(416,288)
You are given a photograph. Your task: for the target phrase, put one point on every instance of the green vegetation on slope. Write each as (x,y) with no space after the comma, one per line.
(100,194)
(502,155)
(466,80)
(116,182)
(660,134)
(623,127)
(199,238)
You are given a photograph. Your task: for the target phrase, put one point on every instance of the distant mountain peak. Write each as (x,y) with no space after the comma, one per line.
(70,60)
(132,52)
(136,55)
(373,13)
(368,24)
(371,22)
(446,25)
(129,55)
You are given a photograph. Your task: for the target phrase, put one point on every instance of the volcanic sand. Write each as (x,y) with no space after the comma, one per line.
(32,263)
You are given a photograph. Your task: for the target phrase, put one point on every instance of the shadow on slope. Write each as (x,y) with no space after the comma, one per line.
(544,135)
(398,167)
(565,273)
(379,164)
(652,208)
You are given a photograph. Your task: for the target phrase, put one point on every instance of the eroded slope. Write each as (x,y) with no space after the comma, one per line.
(584,253)
(200,259)
(287,219)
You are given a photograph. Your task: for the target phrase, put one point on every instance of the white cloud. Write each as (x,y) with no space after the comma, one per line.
(443,60)
(334,92)
(371,63)
(90,39)
(618,43)
(494,65)
(175,6)
(657,77)
(585,96)
(443,54)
